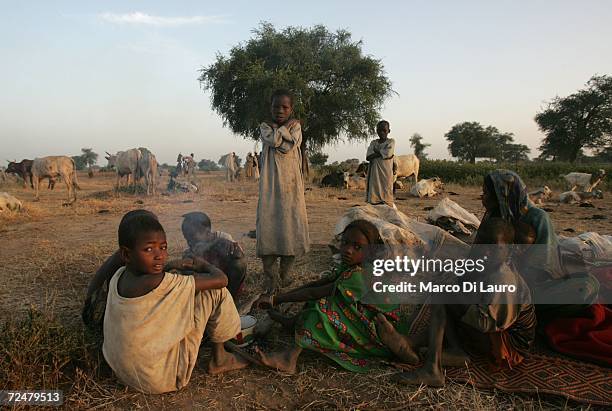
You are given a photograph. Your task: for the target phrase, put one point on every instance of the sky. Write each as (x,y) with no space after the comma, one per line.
(113,75)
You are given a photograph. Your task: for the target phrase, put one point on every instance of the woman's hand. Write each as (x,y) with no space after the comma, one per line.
(264,302)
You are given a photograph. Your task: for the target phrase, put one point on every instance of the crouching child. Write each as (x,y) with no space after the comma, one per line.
(155,320)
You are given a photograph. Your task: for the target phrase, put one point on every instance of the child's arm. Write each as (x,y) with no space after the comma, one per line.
(207,276)
(105,272)
(299,295)
(284,138)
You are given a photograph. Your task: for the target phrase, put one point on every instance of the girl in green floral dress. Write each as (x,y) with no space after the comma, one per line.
(335,321)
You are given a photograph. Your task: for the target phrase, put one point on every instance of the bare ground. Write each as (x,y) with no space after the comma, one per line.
(49,252)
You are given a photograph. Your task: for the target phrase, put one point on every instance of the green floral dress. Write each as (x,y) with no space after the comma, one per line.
(342,327)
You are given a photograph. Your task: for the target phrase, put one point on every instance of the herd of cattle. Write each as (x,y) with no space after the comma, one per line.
(139,163)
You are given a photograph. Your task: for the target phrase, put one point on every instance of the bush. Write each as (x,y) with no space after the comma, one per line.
(533,173)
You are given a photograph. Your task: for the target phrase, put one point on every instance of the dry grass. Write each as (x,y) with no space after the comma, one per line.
(54,250)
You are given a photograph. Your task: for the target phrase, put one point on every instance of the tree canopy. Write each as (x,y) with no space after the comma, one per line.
(580,120)
(471,140)
(89,157)
(338,90)
(418,146)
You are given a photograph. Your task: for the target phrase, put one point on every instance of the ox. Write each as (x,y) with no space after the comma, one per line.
(586,182)
(540,195)
(337,179)
(572,197)
(52,167)
(406,166)
(125,164)
(426,187)
(24,170)
(10,203)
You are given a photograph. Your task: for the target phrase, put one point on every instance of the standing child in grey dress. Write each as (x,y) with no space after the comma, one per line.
(282,224)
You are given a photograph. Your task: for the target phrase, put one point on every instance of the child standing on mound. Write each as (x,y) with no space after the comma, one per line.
(282,224)
(154,320)
(380,173)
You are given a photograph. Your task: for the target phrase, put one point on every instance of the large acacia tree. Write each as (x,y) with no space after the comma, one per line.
(339,90)
(580,120)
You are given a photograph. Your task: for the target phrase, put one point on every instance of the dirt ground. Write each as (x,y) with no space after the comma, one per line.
(49,252)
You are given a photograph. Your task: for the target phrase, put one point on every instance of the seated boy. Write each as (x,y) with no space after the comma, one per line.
(154,320)
(501,326)
(216,247)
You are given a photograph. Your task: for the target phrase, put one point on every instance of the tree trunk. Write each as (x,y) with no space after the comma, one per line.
(305,166)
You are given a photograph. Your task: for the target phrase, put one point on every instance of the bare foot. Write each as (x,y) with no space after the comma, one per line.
(226,362)
(284,361)
(285,321)
(421,376)
(399,344)
(451,357)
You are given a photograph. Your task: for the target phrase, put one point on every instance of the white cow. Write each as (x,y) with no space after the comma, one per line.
(125,164)
(540,195)
(406,166)
(585,181)
(52,167)
(426,187)
(572,197)
(9,203)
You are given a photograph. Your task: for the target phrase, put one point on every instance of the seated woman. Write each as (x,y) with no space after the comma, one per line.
(501,326)
(335,322)
(505,196)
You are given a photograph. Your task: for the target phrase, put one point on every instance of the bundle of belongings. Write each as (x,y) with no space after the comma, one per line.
(453,218)
(404,237)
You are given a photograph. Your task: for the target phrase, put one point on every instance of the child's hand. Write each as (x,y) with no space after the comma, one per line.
(264,302)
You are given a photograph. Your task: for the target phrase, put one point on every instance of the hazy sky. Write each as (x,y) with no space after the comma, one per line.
(119,74)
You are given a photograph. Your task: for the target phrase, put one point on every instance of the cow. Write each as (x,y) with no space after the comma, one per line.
(23,169)
(426,187)
(125,164)
(9,203)
(52,167)
(540,195)
(356,182)
(337,179)
(586,182)
(406,166)
(572,197)
(147,168)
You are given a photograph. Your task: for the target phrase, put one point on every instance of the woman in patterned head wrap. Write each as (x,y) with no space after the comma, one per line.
(505,196)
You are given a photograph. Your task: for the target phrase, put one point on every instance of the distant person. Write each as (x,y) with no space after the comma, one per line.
(155,320)
(248,166)
(282,224)
(255,171)
(230,167)
(380,172)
